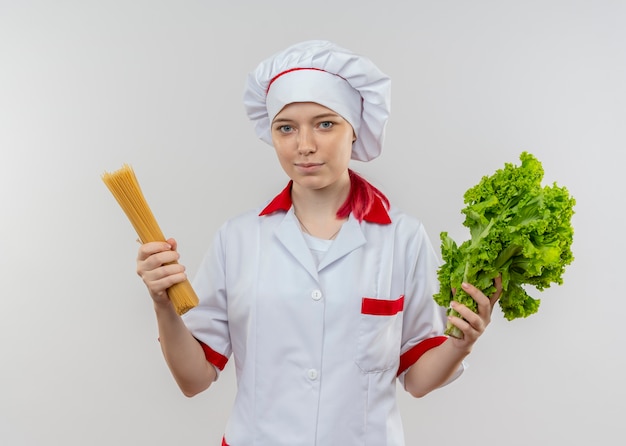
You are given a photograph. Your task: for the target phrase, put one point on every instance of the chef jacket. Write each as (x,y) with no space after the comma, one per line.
(318,347)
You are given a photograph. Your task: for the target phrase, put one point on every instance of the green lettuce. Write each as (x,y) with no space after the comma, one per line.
(519,230)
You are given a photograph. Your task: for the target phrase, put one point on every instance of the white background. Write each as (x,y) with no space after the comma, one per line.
(86,86)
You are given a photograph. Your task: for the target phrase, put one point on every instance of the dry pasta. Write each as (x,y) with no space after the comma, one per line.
(125,188)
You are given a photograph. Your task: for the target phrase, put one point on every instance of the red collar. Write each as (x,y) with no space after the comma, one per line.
(282,202)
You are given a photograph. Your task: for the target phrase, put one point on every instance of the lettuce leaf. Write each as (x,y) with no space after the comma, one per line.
(519,230)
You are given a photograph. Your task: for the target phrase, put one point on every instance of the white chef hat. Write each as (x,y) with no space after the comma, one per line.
(322,72)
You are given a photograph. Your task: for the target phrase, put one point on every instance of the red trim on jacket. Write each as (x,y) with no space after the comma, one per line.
(282,202)
(411,356)
(215,358)
(224,442)
(380,307)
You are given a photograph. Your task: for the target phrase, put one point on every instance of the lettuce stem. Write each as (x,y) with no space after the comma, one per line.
(451,330)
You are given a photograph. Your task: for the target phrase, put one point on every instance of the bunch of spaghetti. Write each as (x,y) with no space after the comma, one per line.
(125,188)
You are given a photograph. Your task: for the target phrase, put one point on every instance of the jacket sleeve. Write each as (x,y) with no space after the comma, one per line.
(424,320)
(208,321)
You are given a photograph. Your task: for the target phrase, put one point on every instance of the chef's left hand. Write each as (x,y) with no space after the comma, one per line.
(473,324)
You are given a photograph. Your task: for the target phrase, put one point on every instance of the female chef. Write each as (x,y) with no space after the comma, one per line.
(323,295)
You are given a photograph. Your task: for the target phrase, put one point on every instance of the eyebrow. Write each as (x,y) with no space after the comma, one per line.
(320,116)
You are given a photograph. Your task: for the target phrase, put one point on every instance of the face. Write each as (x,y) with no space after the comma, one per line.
(313,144)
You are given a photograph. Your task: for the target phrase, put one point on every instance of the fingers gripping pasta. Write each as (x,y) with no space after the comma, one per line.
(125,188)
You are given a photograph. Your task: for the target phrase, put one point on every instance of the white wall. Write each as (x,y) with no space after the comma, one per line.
(86,86)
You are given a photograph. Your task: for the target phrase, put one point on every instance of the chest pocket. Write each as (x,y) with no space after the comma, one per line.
(380,334)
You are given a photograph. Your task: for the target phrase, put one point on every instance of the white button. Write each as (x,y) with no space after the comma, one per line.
(312,374)
(316,295)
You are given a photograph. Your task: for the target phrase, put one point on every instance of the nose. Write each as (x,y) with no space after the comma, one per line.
(306,142)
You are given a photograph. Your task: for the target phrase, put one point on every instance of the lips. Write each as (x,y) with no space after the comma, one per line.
(308,168)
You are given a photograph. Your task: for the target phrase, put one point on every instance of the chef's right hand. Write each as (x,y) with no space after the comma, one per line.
(155,267)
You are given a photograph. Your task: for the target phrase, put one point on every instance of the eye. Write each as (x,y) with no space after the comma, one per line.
(285,128)
(326,125)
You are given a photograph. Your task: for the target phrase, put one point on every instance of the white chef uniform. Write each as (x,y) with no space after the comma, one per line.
(317,347)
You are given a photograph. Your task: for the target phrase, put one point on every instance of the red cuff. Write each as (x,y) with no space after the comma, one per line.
(411,356)
(215,358)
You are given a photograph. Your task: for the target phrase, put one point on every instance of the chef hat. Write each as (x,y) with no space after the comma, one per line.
(322,72)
